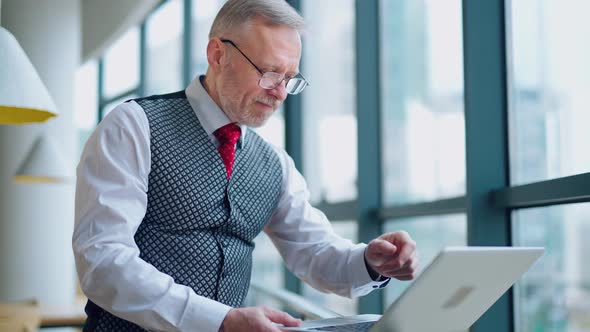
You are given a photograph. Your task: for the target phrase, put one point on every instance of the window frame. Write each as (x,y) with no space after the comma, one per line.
(489,201)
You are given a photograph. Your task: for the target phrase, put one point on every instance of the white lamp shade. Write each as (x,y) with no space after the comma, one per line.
(23,97)
(44,163)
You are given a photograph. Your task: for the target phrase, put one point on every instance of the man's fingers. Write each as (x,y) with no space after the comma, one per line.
(405,277)
(384,247)
(380,251)
(259,318)
(398,263)
(281,317)
(401,272)
(394,269)
(393,254)
(397,238)
(407,251)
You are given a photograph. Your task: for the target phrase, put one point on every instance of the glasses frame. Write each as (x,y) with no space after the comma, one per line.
(262,73)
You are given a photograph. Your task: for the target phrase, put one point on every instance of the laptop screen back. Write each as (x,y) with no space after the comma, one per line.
(457,288)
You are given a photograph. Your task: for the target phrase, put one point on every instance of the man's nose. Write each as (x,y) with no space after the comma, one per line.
(279,92)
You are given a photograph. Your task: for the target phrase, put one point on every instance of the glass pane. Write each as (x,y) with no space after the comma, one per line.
(422,100)
(431,235)
(202,18)
(267,263)
(336,303)
(86,102)
(550,83)
(267,270)
(164,31)
(121,64)
(554,295)
(330,130)
(274,129)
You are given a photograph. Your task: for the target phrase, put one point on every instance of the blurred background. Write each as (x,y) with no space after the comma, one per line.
(461,122)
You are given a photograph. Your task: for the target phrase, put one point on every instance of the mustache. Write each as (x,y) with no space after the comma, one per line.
(270,101)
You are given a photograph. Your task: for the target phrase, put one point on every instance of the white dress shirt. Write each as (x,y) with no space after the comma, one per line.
(111,202)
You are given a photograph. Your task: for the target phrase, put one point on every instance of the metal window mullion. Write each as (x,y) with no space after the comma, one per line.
(187,46)
(141,88)
(294,147)
(486,134)
(120,95)
(369,138)
(341,211)
(438,207)
(100,87)
(565,190)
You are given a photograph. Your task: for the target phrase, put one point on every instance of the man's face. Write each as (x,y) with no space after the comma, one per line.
(271,48)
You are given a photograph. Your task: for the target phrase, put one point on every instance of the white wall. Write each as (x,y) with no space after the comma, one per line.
(36,220)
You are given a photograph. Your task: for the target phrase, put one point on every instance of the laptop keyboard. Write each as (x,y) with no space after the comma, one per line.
(354,327)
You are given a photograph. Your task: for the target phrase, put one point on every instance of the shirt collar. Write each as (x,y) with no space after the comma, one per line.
(208,112)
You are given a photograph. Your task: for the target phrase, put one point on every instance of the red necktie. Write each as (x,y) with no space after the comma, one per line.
(228,135)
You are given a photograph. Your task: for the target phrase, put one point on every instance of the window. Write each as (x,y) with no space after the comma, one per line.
(554,295)
(121,65)
(548,114)
(267,271)
(336,303)
(268,265)
(431,235)
(330,134)
(422,126)
(273,130)
(422,100)
(202,18)
(86,102)
(164,31)
(550,83)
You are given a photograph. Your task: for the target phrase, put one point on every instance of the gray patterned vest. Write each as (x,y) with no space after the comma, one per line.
(199,228)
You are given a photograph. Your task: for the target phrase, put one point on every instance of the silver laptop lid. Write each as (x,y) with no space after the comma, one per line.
(458,286)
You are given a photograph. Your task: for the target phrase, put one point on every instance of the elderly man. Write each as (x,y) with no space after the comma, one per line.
(172,189)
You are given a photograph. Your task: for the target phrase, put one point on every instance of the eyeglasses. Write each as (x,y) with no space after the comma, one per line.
(270,80)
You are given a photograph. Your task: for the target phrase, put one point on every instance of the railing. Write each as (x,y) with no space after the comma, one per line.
(74,316)
(295,302)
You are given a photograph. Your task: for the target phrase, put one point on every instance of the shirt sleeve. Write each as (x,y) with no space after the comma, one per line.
(310,248)
(111,202)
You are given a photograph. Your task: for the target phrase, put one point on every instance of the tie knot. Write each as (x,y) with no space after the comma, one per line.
(228,134)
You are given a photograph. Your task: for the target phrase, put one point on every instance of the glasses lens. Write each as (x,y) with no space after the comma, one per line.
(296,85)
(270,80)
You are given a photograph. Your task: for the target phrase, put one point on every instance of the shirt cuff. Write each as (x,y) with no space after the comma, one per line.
(204,314)
(376,276)
(362,282)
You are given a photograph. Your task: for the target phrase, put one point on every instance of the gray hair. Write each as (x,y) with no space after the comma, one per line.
(235,13)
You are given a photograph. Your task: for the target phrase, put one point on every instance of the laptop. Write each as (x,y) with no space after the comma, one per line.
(449,295)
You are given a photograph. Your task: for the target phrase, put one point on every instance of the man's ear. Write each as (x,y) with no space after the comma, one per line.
(215,53)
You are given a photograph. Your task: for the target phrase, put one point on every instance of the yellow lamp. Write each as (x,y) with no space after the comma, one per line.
(23,97)
(43,164)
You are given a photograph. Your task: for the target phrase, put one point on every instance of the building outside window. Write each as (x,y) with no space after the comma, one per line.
(550,80)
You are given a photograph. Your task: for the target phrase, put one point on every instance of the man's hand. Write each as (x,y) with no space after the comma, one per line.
(256,319)
(393,255)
